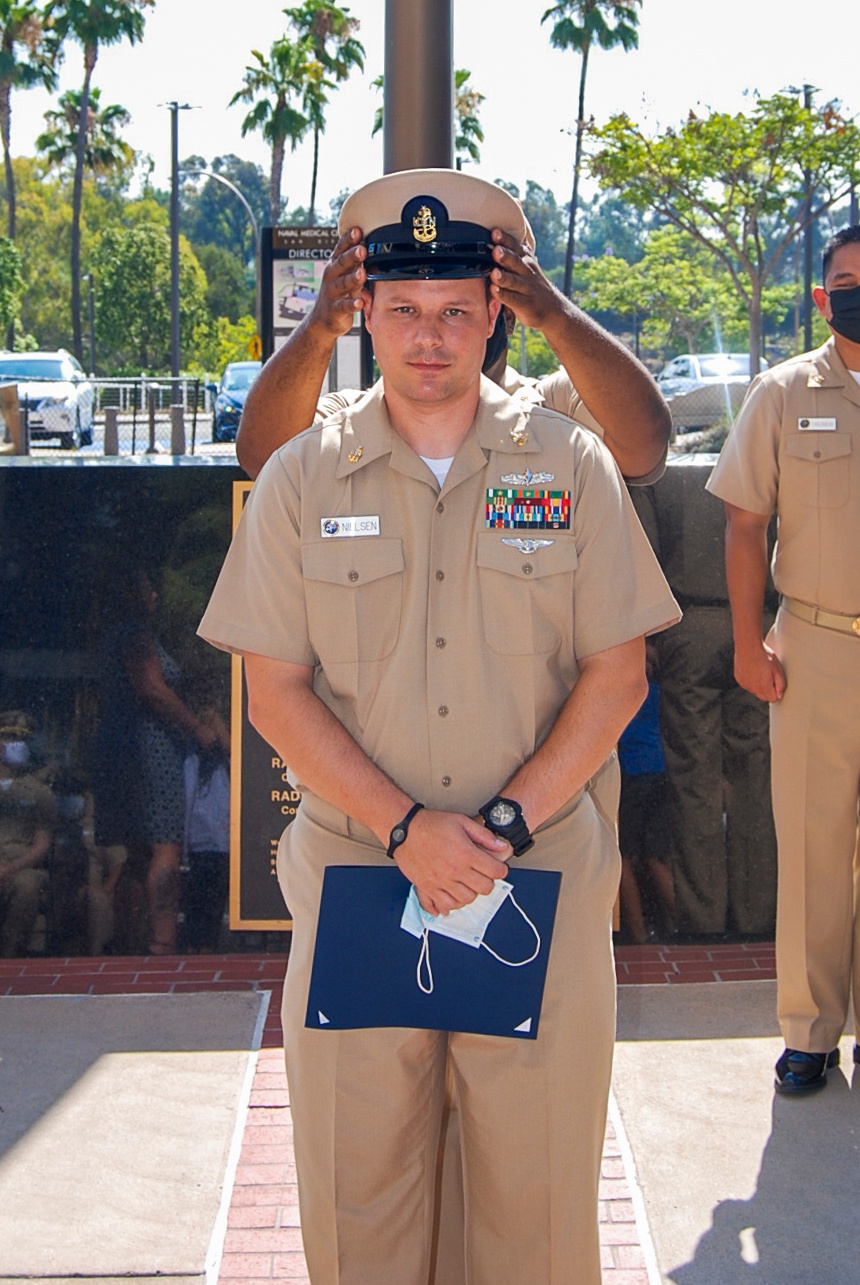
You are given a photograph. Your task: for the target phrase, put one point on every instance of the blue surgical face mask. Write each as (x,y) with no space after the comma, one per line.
(16,753)
(468,925)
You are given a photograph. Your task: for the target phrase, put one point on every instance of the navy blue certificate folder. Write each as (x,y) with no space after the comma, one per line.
(364,968)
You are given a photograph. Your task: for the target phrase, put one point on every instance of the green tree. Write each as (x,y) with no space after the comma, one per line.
(26,59)
(327,33)
(212,214)
(467,127)
(132,274)
(104,150)
(91,24)
(579,25)
(274,85)
(737,185)
(11,281)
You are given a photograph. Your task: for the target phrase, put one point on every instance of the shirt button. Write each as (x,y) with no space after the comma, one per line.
(440,642)
(527,568)
(440,507)
(443,711)
(353,576)
(446,781)
(440,575)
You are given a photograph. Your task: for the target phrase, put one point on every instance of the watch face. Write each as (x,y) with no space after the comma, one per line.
(502,814)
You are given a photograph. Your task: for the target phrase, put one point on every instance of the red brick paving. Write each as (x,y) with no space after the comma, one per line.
(263,1240)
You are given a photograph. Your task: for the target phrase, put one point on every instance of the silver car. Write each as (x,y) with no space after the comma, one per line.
(55,394)
(704,388)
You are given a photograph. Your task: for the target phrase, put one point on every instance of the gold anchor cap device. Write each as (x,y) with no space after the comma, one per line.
(432,223)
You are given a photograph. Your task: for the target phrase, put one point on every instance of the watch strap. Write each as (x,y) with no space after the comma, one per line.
(401,830)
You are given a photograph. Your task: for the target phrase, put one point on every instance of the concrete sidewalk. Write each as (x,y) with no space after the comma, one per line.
(126,1148)
(738,1183)
(120,1128)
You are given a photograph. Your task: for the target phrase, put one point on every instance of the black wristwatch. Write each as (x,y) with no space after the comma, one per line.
(505,818)
(400,831)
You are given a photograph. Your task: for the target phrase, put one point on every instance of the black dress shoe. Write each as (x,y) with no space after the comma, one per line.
(799,1072)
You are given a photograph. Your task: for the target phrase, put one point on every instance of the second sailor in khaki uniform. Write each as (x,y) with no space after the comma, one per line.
(795,451)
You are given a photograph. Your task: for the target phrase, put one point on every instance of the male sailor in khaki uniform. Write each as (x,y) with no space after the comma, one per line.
(415,676)
(795,451)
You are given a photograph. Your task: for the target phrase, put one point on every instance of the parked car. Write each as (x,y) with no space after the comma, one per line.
(55,393)
(230,397)
(702,388)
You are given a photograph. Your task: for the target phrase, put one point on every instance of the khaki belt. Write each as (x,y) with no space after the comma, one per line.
(824,619)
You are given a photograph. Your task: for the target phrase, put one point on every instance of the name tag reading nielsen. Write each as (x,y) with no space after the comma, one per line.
(340,528)
(821,424)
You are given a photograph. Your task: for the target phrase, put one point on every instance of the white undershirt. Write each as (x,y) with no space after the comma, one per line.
(855,375)
(439,468)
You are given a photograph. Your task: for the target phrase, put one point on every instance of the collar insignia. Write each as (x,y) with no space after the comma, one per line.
(527,546)
(528,478)
(355,456)
(519,437)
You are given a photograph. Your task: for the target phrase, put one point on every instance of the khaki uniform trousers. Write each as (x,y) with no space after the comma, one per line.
(815,736)
(368,1105)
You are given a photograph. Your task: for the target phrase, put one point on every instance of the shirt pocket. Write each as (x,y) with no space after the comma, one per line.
(526,598)
(354,598)
(818,469)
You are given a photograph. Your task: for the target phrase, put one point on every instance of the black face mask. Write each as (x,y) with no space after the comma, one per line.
(845,307)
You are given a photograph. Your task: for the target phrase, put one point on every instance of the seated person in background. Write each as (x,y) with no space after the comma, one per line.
(602,385)
(27,822)
(643,824)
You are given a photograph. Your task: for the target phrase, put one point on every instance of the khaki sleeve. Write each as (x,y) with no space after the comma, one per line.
(747,472)
(258,602)
(620,591)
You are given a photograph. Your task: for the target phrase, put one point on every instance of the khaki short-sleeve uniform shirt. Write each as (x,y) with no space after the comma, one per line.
(445,627)
(795,451)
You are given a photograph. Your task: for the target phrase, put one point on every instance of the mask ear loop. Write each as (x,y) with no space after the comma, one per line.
(424,959)
(519,962)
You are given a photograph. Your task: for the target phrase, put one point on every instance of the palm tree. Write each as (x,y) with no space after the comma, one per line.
(467,103)
(26,59)
(104,150)
(579,24)
(91,25)
(327,32)
(278,79)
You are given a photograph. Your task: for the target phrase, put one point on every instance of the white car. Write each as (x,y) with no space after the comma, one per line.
(703,388)
(55,392)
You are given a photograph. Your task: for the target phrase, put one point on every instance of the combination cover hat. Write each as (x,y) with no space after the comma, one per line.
(431,223)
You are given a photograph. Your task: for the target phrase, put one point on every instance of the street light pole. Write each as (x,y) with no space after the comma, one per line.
(92,320)
(219,178)
(174,108)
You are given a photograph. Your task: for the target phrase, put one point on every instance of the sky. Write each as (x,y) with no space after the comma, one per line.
(689,56)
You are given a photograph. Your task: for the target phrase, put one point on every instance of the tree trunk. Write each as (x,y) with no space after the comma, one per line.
(755,327)
(277,176)
(577,165)
(11,208)
(90,56)
(312,215)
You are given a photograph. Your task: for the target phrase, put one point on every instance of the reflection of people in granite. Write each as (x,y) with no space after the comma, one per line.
(145,729)
(715,734)
(771,1240)
(27,819)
